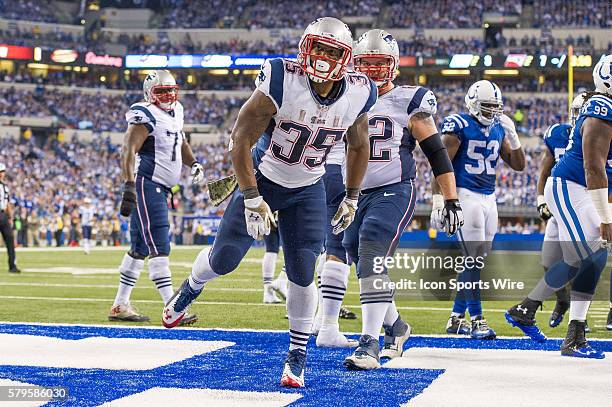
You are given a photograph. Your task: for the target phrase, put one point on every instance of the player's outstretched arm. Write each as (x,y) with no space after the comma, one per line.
(253,118)
(596,138)
(134,139)
(546,164)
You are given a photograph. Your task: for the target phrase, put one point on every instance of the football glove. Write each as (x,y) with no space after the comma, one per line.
(344,215)
(435,219)
(219,190)
(197,173)
(452,216)
(128,199)
(543,210)
(508,124)
(259,218)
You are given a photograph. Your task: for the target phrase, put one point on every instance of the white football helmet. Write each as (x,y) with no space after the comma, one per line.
(329,32)
(376,45)
(160,89)
(576,105)
(484,102)
(602,75)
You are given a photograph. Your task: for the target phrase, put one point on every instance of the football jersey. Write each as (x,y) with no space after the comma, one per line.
(337,153)
(556,139)
(159,159)
(87,215)
(293,150)
(476,160)
(571,165)
(391,143)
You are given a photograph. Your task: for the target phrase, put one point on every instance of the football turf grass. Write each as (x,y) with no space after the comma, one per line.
(62,286)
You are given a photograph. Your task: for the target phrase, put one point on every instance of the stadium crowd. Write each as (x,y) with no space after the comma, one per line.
(290,14)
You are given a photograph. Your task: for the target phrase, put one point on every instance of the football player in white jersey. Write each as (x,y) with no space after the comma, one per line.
(87,213)
(298,112)
(154,152)
(475,142)
(402,116)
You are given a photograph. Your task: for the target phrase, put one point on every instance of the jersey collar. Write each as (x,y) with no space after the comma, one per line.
(335,96)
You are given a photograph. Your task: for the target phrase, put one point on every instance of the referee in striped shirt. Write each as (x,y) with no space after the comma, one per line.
(6,221)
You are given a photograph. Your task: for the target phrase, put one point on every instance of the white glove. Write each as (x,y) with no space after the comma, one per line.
(258,217)
(197,173)
(511,134)
(344,216)
(436,221)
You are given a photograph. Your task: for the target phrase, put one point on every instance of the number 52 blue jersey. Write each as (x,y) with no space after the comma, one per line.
(571,165)
(476,160)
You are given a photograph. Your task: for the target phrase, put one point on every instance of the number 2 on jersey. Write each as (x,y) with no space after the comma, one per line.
(483,163)
(381,130)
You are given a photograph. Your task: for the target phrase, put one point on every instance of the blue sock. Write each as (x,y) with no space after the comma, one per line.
(590,271)
(559,274)
(460,304)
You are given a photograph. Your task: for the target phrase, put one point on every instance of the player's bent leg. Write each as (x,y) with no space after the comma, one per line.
(129,270)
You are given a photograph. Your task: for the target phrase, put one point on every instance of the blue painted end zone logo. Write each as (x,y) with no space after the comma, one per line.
(254,363)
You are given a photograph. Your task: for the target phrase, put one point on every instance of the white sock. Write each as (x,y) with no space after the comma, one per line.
(159,273)
(374,304)
(579,306)
(201,271)
(86,244)
(129,270)
(391,315)
(301,303)
(268,266)
(333,286)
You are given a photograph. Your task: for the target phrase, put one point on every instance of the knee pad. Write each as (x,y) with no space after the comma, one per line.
(300,268)
(225,259)
(590,271)
(369,251)
(159,268)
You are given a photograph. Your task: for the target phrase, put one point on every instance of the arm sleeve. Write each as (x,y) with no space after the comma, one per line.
(270,80)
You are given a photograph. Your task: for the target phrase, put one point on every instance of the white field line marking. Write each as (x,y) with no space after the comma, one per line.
(249,304)
(96,249)
(251,330)
(11,284)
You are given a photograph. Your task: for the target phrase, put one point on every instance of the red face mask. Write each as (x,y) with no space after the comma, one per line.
(370,65)
(165,96)
(322,66)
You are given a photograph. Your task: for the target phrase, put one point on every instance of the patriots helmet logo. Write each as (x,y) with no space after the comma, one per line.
(388,38)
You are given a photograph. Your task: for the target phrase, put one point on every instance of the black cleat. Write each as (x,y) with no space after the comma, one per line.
(558,313)
(14,270)
(587,328)
(522,316)
(575,343)
(345,313)
(609,322)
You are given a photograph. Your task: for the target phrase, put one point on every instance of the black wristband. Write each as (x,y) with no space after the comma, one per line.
(352,193)
(250,192)
(437,155)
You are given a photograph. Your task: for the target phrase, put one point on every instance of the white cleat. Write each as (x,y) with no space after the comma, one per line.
(279,286)
(395,338)
(330,337)
(365,356)
(293,371)
(269,295)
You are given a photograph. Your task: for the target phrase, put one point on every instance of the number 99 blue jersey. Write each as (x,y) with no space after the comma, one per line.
(571,165)
(476,159)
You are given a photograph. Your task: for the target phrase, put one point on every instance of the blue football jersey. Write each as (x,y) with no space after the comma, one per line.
(571,165)
(476,160)
(556,139)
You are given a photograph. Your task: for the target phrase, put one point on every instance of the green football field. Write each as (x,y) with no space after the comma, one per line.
(67,286)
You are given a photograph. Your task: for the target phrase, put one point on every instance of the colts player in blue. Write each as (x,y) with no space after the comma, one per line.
(578,196)
(402,116)
(475,142)
(298,112)
(556,140)
(154,152)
